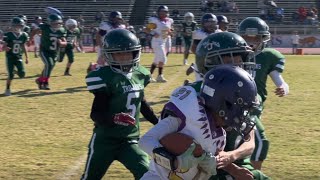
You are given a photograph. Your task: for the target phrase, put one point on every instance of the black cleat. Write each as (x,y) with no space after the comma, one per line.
(46,86)
(40,85)
(67,74)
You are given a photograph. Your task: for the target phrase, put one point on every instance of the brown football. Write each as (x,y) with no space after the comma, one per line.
(178,143)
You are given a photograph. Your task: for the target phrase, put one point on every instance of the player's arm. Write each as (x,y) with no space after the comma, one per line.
(24,48)
(245,149)
(147,112)
(239,172)
(5,46)
(282,87)
(194,45)
(62,42)
(150,140)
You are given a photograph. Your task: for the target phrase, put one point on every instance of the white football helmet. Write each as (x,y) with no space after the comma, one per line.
(189,17)
(71,24)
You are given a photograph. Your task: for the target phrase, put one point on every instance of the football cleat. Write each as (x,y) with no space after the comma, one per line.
(160,78)
(7,92)
(40,85)
(46,86)
(152,80)
(67,74)
(185,62)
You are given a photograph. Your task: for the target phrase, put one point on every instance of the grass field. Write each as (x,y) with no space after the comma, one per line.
(44,134)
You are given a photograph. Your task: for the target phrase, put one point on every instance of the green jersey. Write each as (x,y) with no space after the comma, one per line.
(187,29)
(267,61)
(125,95)
(50,37)
(15,42)
(71,37)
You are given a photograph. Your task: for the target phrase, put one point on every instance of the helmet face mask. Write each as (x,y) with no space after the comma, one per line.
(209,22)
(122,51)
(55,21)
(163,12)
(229,92)
(17,25)
(188,18)
(243,57)
(256,32)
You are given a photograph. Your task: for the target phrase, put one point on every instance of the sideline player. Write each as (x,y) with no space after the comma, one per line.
(188,27)
(270,62)
(15,45)
(160,28)
(201,116)
(52,38)
(118,99)
(72,33)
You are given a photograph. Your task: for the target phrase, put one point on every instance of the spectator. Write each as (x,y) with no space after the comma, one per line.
(175,14)
(295,41)
(80,21)
(302,14)
(263,14)
(279,15)
(295,17)
(232,6)
(310,17)
(99,17)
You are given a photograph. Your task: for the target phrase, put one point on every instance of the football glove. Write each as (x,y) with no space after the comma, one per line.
(209,164)
(124,119)
(187,159)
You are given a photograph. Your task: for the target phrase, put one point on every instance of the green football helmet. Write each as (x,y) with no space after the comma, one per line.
(17,24)
(122,50)
(55,21)
(256,32)
(23,17)
(224,48)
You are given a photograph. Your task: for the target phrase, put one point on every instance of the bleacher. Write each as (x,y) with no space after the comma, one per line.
(246,8)
(70,8)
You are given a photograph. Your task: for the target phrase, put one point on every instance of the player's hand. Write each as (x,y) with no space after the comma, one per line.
(280,91)
(224,159)
(124,119)
(187,160)
(209,164)
(7,49)
(242,174)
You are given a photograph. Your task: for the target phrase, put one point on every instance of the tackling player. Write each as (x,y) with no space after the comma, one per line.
(15,45)
(230,48)
(188,27)
(118,99)
(72,33)
(208,26)
(227,95)
(52,38)
(160,28)
(270,62)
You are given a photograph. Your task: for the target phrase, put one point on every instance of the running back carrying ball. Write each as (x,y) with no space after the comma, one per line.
(178,143)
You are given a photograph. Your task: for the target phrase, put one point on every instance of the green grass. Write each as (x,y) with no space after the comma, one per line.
(44,134)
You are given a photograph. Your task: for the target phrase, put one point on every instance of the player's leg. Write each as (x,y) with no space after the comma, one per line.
(49,62)
(10,67)
(70,55)
(160,58)
(134,159)
(187,45)
(20,68)
(100,156)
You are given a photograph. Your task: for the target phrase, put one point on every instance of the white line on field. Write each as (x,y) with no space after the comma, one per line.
(73,170)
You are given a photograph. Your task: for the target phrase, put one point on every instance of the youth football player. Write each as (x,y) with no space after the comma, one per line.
(15,45)
(118,90)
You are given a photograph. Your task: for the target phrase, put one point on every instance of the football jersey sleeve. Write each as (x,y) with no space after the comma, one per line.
(278,60)
(6,37)
(95,81)
(26,37)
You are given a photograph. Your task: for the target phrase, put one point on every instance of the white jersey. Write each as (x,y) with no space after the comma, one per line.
(200,34)
(106,26)
(163,27)
(185,105)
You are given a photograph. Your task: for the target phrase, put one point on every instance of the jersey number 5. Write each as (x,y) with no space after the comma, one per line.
(131,106)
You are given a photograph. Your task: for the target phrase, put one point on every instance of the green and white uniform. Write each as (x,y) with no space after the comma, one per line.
(49,46)
(14,55)
(117,142)
(71,37)
(187,30)
(27,29)
(267,61)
